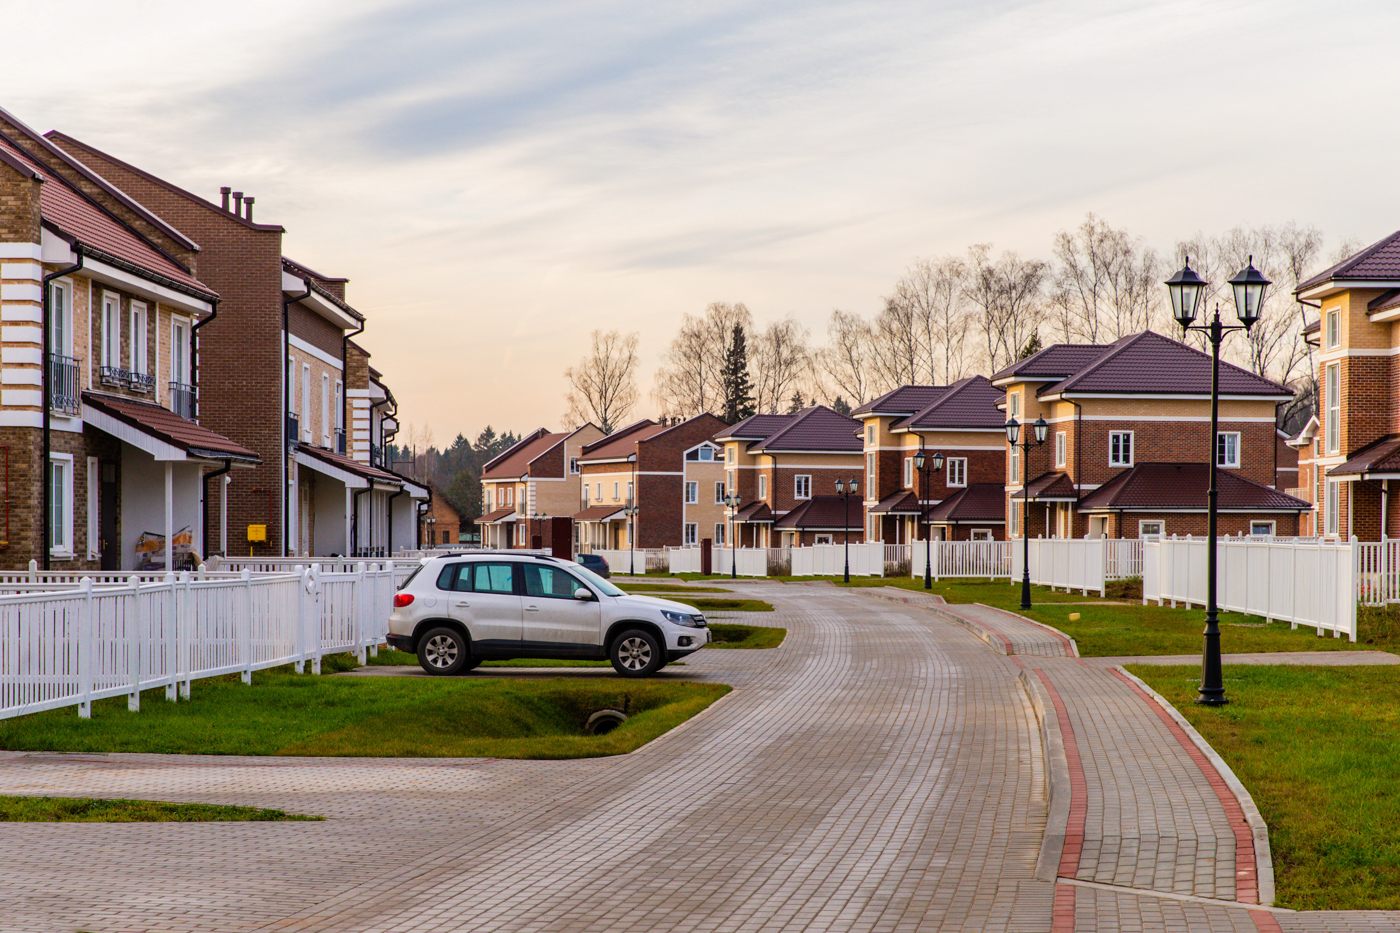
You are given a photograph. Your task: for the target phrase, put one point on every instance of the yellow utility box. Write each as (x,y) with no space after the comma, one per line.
(257,533)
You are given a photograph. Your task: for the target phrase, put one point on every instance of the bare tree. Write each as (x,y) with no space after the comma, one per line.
(603,386)
(1006,294)
(930,295)
(689,381)
(900,356)
(1105,286)
(843,366)
(780,359)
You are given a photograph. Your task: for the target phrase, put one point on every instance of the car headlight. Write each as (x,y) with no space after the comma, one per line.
(683,618)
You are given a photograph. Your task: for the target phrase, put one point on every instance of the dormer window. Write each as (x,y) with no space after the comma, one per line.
(707,453)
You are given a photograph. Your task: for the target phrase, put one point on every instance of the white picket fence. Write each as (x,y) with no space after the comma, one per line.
(825,560)
(1302,582)
(989,559)
(71,644)
(625,560)
(402,566)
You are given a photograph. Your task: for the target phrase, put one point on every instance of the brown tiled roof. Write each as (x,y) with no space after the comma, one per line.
(165,425)
(1054,362)
(815,429)
(1382,456)
(1385,301)
(622,442)
(902,401)
(823,512)
(899,503)
(967,403)
(350,465)
(490,518)
(1183,487)
(1152,364)
(757,512)
(980,502)
(514,462)
(1313,326)
(596,513)
(754,427)
(310,277)
(1049,486)
(1378,262)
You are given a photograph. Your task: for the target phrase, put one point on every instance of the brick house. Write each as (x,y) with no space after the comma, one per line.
(442,522)
(532,482)
(1350,452)
(702,502)
(105,466)
(643,464)
(1129,426)
(964,423)
(276,375)
(784,468)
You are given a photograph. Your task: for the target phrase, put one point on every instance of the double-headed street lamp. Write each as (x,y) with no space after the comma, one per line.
(631,510)
(1186,289)
(926,465)
(733,500)
(1013,437)
(845,490)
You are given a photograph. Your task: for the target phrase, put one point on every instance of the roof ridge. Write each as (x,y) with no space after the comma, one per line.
(1349,263)
(532,436)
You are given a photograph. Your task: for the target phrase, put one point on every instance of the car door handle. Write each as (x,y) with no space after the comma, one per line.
(532,608)
(464,604)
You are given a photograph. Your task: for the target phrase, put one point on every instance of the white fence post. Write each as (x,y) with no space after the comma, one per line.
(170,629)
(133,618)
(316,619)
(247,588)
(188,622)
(358,600)
(300,666)
(86,648)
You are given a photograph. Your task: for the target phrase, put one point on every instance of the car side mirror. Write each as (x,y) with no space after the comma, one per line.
(583,593)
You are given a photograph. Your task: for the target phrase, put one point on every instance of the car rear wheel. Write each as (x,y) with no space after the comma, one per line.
(636,653)
(444,651)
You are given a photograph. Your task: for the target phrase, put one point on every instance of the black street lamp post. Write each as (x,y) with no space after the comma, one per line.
(1186,289)
(926,465)
(1034,439)
(631,511)
(845,490)
(733,500)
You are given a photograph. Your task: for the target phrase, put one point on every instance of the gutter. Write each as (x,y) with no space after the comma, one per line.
(46,506)
(286,397)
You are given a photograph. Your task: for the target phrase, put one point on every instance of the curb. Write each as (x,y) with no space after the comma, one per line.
(1047,864)
(994,639)
(1263,858)
(1073,645)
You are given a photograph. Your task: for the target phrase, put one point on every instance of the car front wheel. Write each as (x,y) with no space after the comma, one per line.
(444,652)
(636,653)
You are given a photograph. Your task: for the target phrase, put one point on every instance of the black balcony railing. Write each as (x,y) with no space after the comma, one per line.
(65,384)
(340,441)
(113,376)
(376,455)
(141,382)
(182,400)
(293,429)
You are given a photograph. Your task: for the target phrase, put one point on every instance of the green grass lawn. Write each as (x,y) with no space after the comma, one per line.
(290,714)
(94,810)
(746,636)
(664,590)
(1319,750)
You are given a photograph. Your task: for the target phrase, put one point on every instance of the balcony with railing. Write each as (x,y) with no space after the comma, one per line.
(113,376)
(117,377)
(1300,492)
(293,429)
(182,400)
(340,441)
(376,456)
(65,384)
(141,382)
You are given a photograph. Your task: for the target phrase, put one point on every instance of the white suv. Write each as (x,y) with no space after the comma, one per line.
(459,610)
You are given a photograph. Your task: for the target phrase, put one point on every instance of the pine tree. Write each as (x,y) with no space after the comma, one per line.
(738,388)
(839,404)
(797,404)
(1031,348)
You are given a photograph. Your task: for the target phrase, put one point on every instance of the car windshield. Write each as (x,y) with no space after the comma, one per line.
(597,582)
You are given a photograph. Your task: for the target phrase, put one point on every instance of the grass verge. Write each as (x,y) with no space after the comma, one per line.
(1318,748)
(290,714)
(94,810)
(746,636)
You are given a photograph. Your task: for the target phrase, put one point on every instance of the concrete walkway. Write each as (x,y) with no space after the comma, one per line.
(884,770)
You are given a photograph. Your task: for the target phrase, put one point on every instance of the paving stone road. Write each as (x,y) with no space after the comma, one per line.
(881,771)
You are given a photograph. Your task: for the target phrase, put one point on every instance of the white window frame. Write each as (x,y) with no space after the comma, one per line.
(1013,465)
(870,435)
(822,539)
(1262,534)
(617,491)
(762,486)
(1333,389)
(706,454)
(63,517)
(326,430)
(802,486)
(1331,513)
(981,534)
(61,318)
(1013,518)
(1222,458)
(720,489)
(692,493)
(872,483)
(719,533)
(306,402)
(1013,405)
(631,492)
(111,330)
(729,452)
(599,497)
(1115,459)
(1161,528)
(692,534)
(180,337)
(1061,446)
(490,494)
(574,467)
(94,527)
(140,338)
(908,472)
(1334,329)
(955,470)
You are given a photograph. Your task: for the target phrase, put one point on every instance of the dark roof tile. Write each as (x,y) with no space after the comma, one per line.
(165,425)
(1378,262)
(823,512)
(815,429)
(755,427)
(980,502)
(967,403)
(902,401)
(1382,456)
(1049,486)
(515,461)
(1183,486)
(1149,363)
(899,503)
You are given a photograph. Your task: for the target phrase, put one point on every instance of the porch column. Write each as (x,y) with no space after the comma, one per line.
(169,516)
(223,514)
(349,506)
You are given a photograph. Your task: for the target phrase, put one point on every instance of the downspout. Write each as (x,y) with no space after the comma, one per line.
(345,387)
(1078,453)
(286,397)
(194,358)
(204,488)
(46,401)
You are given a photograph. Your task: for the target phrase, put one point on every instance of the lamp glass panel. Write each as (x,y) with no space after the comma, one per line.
(1013,430)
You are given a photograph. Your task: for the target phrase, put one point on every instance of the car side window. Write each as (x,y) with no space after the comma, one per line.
(447,579)
(549,582)
(486,578)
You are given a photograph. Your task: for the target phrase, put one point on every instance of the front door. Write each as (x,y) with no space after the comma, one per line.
(554,620)
(485,599)
(108,503)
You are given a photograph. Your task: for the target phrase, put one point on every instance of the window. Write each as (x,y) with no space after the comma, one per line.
(1013,466)
(1013,518)
(1149,529)
(763,487)
(908,472)
(821,539)
(1334,329)
(485,578)
(1333,389)
(1262,529)
(490,496)
(180,351)
(1227,449)
(520,534)
(94,535)
(1120,448)
(729,454)
(719,493)
(1013,405)
(957,471)
(872,528)
(630,492)
(870,435)
(719,533)
(325,409)
(870,466)
(60,320)
(692,493)
(1060,445)
(291,386)
(340,407)
(508,496)
(707,454)
(981,534)
(573,467)
(802,487)
(599,496)
(617,490)
(61,505)
(1332,507)
(140,361)
(549,582)
(692,534)
(111,331)
(306,401)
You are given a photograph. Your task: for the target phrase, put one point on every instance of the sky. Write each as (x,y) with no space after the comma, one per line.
(499,180)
